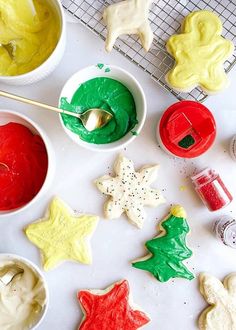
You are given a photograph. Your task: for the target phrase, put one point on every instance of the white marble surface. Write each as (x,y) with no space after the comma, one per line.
(173,305)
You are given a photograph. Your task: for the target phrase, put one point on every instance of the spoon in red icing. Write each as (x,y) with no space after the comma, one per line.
(3,167)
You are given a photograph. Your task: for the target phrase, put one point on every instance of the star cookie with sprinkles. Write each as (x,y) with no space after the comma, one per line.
(129,191)
(110,309)
(62,235)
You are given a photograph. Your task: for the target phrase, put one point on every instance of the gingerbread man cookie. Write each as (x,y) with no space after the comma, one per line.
(111,309)
(199,52)
(129,191)
(128,17)
(222,298)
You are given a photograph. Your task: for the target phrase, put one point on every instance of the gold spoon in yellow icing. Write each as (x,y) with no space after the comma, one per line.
(91,118)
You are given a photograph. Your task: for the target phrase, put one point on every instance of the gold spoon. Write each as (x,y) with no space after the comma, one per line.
(91,118)
(8,273)
(3,167)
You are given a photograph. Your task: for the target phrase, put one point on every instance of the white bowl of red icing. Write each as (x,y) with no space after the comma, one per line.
(26,162)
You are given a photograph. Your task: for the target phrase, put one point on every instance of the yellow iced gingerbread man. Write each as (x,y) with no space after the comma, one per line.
(199,52)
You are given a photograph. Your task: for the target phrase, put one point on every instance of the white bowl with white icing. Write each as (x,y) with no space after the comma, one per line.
(24,302)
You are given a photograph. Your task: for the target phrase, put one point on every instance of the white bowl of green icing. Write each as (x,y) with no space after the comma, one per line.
(110,88)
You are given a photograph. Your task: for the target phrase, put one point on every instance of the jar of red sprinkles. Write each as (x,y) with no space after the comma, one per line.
(211,189)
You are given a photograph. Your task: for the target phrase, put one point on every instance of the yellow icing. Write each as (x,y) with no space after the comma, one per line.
(62,236)
(199,53)
(29,32)
(178,211)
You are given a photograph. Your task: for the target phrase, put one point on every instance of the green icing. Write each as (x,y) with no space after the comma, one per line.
(107,70)
(107,94)
(168,251)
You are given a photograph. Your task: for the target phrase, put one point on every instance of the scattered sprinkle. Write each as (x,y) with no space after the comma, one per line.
(100,66)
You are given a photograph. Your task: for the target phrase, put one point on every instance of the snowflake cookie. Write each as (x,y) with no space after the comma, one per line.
(199,52)
(128,17)
(62,235)
(110,309)
(221,314)
(129,191)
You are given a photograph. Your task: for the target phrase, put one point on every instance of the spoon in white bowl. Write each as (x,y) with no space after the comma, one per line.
(8,273)
(91,118)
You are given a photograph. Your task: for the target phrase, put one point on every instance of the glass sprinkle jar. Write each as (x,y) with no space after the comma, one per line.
(211,189)
(225,229)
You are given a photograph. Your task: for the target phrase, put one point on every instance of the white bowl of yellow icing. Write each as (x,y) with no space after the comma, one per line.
(23,302)
(32,39)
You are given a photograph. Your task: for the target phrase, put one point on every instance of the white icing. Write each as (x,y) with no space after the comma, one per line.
(129,191)
(222,298)
(128,17)
(22,301)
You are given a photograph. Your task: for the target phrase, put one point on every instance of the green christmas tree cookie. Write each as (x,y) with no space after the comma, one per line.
(168,250)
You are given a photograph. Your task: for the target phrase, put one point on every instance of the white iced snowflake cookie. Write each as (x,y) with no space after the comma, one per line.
(128,17)
(129,191)
(221,315)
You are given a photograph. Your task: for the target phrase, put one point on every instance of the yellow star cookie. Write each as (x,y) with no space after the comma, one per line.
(221,314)
(128,17)
(199,52)
(62,236)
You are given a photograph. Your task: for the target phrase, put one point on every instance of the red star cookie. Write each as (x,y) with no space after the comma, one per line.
(110,309)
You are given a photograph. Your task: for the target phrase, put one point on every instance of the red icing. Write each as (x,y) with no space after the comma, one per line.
(212,190)
(110,310)
(26,157)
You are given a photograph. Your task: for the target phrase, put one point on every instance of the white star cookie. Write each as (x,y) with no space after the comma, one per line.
(129,191)
(222,298)
(128,17)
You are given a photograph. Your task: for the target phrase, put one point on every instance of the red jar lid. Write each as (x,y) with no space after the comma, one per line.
(187,129)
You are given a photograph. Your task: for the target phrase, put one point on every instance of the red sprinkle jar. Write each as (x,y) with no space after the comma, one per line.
(211,189)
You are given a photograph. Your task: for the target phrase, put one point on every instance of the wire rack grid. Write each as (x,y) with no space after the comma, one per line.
(165,18)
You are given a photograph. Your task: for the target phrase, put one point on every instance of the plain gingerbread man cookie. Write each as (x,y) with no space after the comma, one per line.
(199,52)
(129,191)
(128,17)
(221,315)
